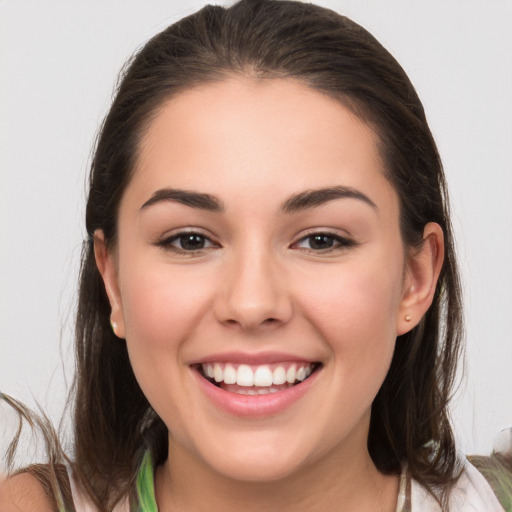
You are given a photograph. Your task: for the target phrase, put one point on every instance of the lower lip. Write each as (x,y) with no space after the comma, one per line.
(253,406)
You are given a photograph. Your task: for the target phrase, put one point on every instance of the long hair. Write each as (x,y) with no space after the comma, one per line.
(265,39)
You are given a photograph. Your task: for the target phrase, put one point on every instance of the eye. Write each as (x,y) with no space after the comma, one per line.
(187,242)
(323,242)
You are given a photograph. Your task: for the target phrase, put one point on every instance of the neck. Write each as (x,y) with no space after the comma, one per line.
(344,479)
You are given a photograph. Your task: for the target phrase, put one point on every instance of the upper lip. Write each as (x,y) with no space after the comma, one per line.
(258,358)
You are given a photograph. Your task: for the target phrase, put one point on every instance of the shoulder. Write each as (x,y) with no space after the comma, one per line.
(471,493)
(24,493)
(474,492)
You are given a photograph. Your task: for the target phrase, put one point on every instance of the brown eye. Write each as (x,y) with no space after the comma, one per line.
(187,242)
(319,242)
(323,242)
(191,242)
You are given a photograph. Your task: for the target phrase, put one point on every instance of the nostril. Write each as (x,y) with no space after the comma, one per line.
(268,322)
(249,302)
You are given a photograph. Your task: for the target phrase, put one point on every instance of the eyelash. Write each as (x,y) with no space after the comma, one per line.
(337,243)
(167,243)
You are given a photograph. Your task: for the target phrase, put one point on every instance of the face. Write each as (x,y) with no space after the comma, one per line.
(259,279)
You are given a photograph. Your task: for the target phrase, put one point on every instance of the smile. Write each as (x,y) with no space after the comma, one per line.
(255,386)
(263,379)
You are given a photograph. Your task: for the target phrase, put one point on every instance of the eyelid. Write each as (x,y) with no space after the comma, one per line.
(165,241)
(344,240)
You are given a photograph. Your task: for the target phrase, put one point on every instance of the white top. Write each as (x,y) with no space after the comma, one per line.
(472,493)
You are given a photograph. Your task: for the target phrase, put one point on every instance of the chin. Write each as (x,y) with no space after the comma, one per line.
(260,457)
(257,469)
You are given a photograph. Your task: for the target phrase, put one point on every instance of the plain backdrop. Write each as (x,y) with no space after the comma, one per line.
(58,66)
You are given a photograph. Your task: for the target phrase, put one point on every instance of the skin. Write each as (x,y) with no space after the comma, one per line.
(258,285)
(23,493)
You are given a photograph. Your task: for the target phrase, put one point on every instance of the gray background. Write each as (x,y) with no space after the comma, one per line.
(58,66)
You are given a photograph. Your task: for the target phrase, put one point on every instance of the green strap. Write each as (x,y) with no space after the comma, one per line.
(60,501)
(146,485)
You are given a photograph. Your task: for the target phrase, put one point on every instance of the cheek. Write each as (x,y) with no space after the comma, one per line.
(354,309)
(162,308)
(355,301)
(161,304)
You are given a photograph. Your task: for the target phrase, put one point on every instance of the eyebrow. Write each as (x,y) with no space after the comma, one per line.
(317,197)
(295,203)
(186,197)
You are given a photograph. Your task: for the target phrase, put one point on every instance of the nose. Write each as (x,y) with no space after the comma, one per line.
(253,294)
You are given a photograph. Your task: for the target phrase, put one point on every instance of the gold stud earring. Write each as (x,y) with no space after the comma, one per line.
(408,318)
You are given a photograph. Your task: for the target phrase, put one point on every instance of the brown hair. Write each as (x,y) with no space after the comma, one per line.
(113,421)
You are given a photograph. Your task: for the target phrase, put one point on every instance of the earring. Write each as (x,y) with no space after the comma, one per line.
(113,325)
(408,318)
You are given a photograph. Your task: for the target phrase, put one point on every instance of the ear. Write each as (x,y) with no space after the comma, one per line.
(423,267)
(107,266)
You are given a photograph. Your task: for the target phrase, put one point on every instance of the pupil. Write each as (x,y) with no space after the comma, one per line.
(321,242)
(192,242)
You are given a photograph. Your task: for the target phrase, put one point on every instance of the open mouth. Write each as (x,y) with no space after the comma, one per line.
(247,379)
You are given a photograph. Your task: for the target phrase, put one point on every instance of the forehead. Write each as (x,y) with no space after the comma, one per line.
(247,137)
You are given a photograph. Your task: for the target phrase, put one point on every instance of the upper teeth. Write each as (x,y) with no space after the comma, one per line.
(264,375)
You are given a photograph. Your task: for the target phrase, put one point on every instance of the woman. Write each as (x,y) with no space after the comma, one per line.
(269,307)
